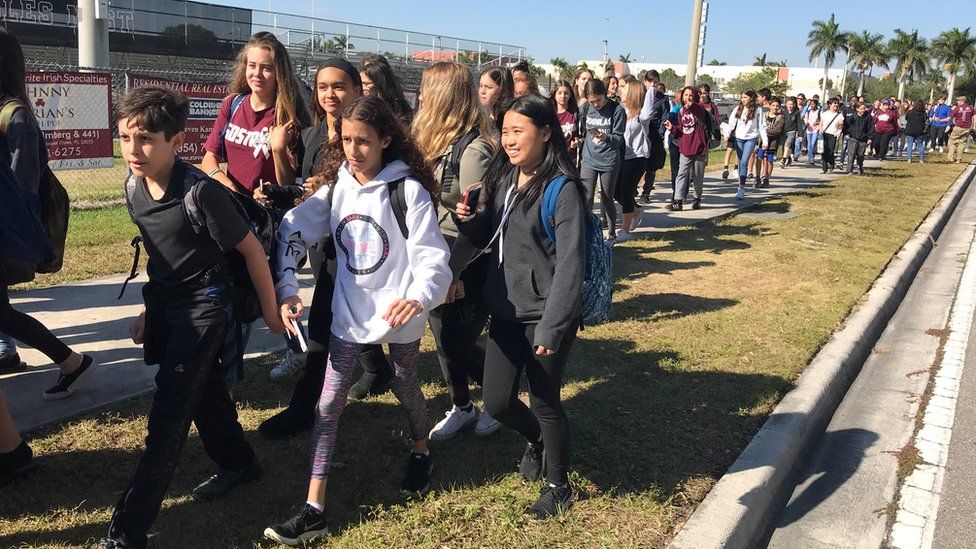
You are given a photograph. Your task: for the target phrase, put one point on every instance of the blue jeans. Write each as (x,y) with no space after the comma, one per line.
(7,345)
(916,143)
(798,144)
(743,149)
(812,144)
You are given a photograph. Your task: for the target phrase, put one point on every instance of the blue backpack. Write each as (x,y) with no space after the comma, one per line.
(598,273)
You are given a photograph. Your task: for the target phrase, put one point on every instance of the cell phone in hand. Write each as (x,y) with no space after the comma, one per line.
(297,343)
(593,132)
(470,196)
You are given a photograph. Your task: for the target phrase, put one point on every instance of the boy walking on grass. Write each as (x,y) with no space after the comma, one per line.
(184,324)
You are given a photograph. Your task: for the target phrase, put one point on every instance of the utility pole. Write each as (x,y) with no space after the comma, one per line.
(93,33)
(693,41)
(606,57)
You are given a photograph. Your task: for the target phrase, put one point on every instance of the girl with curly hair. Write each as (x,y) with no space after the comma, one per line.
(379,200)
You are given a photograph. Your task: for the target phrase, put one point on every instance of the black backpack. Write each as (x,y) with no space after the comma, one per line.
(263,223)
(55,206)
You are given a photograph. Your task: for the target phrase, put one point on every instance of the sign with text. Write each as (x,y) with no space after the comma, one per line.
(74,113)
(205,99)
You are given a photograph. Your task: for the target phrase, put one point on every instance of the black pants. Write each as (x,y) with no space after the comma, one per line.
(829,157)
(630,173)
(26,329)
(309,387)
(456,328)
(655,160)
(674,156)
(510,350)
(938,136)
(881,145)
(189,387)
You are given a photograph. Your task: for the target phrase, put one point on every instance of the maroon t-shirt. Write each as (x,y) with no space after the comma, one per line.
(885,121)
(962,116)
(246,146)
(567,121)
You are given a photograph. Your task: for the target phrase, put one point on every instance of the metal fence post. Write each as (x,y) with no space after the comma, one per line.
(347,42)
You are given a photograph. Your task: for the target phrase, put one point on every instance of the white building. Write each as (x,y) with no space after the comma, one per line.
(804,80)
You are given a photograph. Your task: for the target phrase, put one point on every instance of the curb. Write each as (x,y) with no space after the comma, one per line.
(737,510)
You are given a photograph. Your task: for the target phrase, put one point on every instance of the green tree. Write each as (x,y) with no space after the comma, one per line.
(956,51)
(759,60)
(671,80)
(826,39)
(707,79)
(756,80)
(864,51)
(625,58)
(337,44)
(716,63)
(911,54)
(562,68)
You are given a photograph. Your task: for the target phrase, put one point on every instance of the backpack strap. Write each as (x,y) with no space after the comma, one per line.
(398,200)
(549,198)
(458,150)
(235,105)
(7,114)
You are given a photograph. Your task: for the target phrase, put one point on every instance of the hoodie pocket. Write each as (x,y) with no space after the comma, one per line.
(361,311)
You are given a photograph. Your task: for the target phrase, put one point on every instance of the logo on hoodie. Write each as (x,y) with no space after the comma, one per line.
(364,243)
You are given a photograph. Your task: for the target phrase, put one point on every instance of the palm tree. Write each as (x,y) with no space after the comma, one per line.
(760,60)
(562,68)
(864,50)
(956,51)
(624,58)
(911,53)
(932,79)
(826,39)
(717,63)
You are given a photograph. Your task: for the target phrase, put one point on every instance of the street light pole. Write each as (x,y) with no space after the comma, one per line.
(693,39)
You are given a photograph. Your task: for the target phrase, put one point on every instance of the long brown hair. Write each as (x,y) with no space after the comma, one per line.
(449,110)
(377,114)
(290,104)
(633,100)
(750,106)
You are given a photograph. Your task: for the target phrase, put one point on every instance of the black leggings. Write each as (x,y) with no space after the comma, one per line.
(510,350)
(829,157)
(26,329)
(630,174)
(456,328)
(306,395)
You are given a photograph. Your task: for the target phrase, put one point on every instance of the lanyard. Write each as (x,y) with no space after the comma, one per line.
(500,232)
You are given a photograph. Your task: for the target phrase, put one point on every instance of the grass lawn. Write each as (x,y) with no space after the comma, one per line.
(712,324)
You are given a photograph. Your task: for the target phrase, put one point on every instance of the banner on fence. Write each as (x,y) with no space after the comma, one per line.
(74,112)
(205,99)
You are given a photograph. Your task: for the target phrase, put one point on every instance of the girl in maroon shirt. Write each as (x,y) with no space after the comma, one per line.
(691,134)
(563,100)
(256,139)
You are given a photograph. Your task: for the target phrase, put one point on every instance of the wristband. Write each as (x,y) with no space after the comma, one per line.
(213,172)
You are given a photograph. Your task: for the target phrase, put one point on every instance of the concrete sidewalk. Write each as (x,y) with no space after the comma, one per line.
(88,318)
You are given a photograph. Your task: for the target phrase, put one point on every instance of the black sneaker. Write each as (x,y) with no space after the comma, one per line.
(11,364)
(553,500)
(765,182)
(286,423)
(725,172)
(696,204)
(645,199)
(221,484)
(371,385)
(419,468)
(676,206)
(109,543)
(308,524)
(533,462)
(17,463)
(67,383)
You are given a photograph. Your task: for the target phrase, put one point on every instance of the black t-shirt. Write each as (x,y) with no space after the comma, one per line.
(178,256)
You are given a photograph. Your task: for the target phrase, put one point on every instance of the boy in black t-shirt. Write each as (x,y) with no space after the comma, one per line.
(185,323)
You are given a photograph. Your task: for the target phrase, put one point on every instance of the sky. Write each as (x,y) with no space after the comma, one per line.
(648,30)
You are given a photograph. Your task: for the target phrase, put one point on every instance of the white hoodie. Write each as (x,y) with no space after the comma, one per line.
(377,265)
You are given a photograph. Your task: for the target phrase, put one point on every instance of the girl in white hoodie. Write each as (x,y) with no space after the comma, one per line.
(393,269)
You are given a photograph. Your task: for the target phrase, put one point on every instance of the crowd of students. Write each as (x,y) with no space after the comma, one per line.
(408,219)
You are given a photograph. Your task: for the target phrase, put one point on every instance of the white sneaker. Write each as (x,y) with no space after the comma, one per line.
(454,420)
(941,149)
(638,217)
(740,194)
(486,425)
(288,366)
